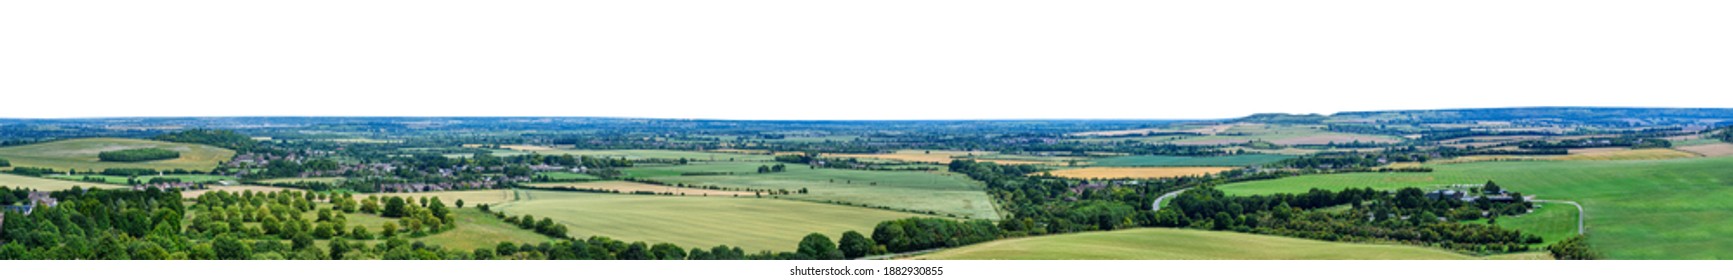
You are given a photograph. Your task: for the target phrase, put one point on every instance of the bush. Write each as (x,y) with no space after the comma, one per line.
(138,155)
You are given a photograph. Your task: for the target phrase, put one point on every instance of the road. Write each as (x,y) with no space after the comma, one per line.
(1581,214)
(1156,206)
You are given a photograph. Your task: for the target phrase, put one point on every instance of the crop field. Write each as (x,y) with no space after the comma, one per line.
(660,154)
(1627,200)
(327,180)
(1551,221)
(1234,160)
(1136,172)
(629,187)
(569,176)
(1710,150)
(477,230)
(1625,154)
(81,154)
(1183,244)
(751,223)
(940,192)
(43,184)
(121,180)
(663,170)
(474,197)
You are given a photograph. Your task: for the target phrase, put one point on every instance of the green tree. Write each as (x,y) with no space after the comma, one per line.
(818,246)
(854,245)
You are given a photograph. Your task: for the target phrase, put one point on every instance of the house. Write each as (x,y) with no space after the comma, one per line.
(1446,194)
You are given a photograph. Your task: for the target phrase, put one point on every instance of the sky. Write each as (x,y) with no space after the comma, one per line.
(896,59)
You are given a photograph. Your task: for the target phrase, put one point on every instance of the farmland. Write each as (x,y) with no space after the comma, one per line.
(1710,150)
(479,230)
(1626,200)
(658,154)
(121,180)
(630,187)
(42,184)
(1233,160)
(81,154)
(943,193)
(1136,172)
(1182,244)
(753,224)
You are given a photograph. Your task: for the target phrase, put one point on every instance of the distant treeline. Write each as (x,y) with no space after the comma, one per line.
(138,155)
(219,138)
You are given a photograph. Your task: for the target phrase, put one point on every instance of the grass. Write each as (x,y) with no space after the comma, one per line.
(478,230)
(1234,160)
(81,154)
(1136,172)
(1637,209)
(327,180)
(41,184)
(1552,221)
(121,180)
(629,187)
(1183,244)
(658,154)
(940,192)
(688,221)
(569,176)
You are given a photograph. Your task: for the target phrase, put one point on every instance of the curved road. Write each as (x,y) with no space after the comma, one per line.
(1581,214)
(1156,206)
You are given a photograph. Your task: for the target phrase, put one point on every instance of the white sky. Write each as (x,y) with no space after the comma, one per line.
(815,59)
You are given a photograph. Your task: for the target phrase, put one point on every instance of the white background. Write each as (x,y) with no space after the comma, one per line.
(892,59)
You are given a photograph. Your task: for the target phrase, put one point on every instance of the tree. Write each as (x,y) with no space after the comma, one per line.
(302,241)
(817,246)
(394,207)
(388,230)
(459,203)
(854,245)
(228,247)
(370,205)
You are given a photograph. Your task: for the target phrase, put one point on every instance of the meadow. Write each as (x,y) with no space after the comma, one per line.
(82,153)
(121,180)
(42,184)
(943,193)
(630,187)
(1233,160)
(1135,172)
(1182,244)
(1627,200)
(476,230)
(568,176)
(658,154)
(751,223)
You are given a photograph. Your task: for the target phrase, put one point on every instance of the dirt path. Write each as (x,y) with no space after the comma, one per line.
(1582,215)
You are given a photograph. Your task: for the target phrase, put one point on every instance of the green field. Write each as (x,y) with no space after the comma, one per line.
(569,176)
(1182,244)
(121,180)
(1552,221)
(81,154)
(1637,209)
(478,230)
(42,184)
(1234,160)
(661,154)
(689,221)
(327,180)
(940,192)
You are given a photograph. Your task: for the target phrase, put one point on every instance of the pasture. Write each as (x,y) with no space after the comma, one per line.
(1637,209)
(1136,172)
(121,180)
(42,184)
(659,154)
(689,221)
(940,192)
(630,187)
(82,153)
(568,176)
(1182,244)
(476,230)
(1233,160)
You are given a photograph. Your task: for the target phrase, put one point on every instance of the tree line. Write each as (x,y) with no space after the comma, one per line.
(138,155)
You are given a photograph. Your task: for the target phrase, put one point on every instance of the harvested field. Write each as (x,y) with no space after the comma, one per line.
(629,187)
(1136,172)
(42,184)
(1625,154)
(1710,150)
